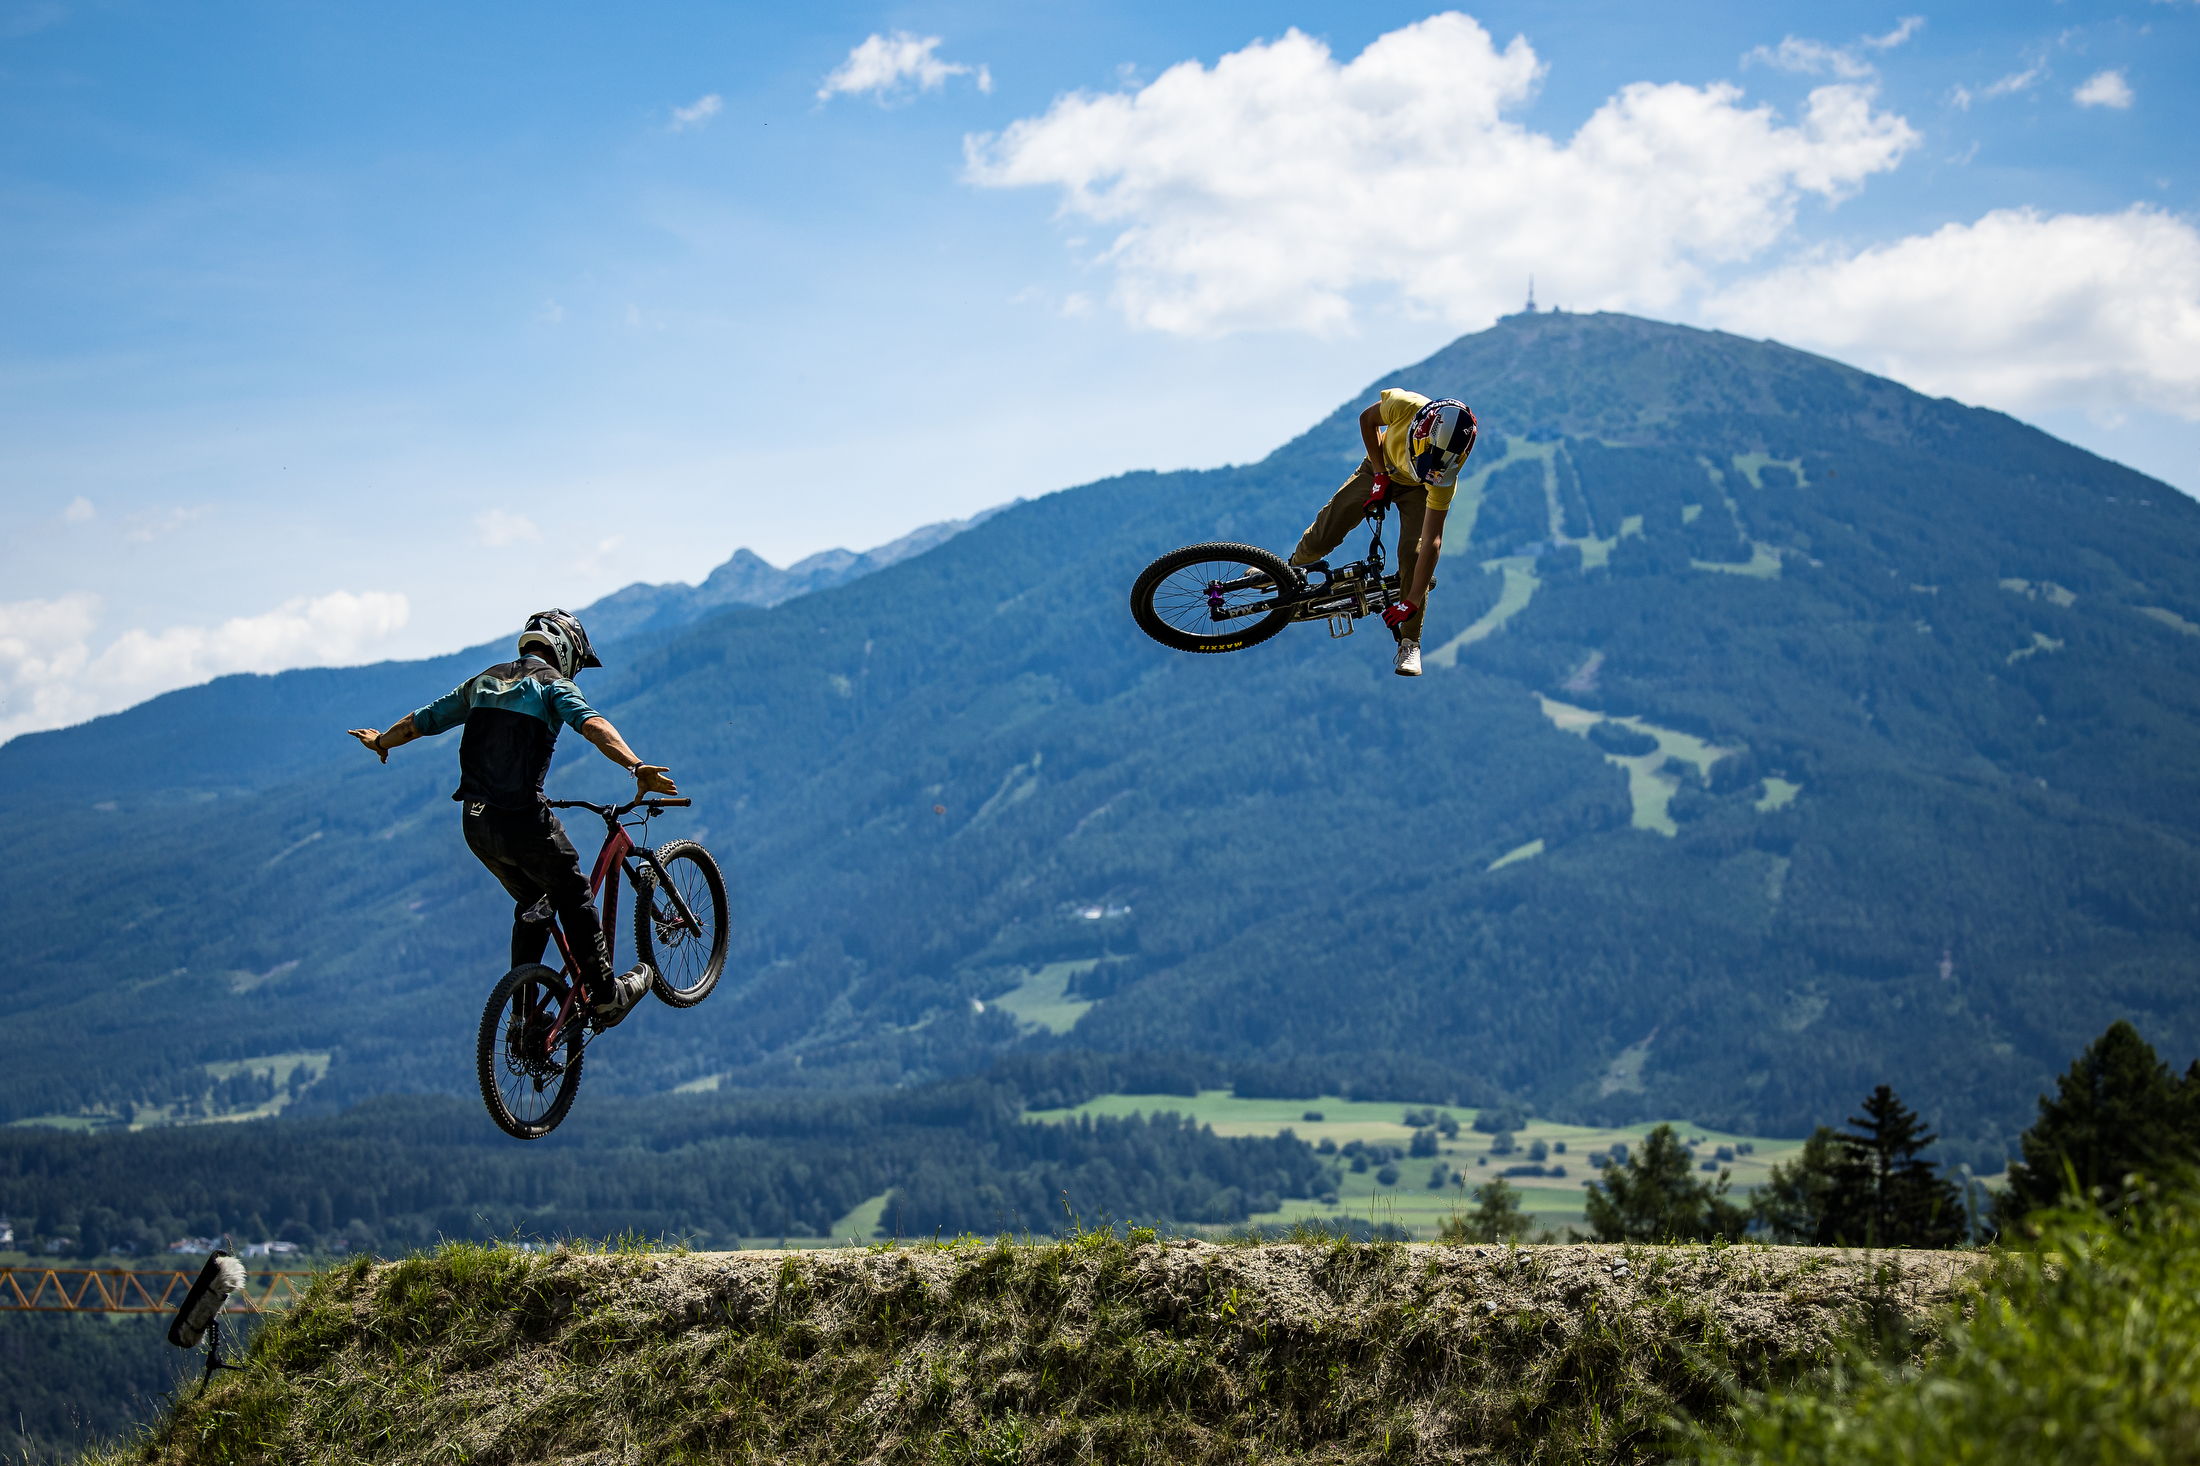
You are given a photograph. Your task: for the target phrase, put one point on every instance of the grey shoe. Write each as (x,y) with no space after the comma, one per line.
(627,989)
(1409,659)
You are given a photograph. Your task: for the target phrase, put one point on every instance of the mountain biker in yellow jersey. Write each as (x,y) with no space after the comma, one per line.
(511,715)
(1415,449)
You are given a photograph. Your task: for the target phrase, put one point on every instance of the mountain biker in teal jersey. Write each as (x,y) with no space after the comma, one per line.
(1415,450)
(511,715)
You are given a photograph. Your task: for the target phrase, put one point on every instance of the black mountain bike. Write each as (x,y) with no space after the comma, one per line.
(534,1032)
(1222,598)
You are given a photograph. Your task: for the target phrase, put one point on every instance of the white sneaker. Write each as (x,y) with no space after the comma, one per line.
(1409,659)
(627,989)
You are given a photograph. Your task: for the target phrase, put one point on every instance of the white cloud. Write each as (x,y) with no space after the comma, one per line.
(1267,191)
(883,64)
(42,656)
(2008,86)
(49,676)
(500,528)
(2104,89)
(2016,81)
(1813,58)
(697,113)
(600,561)
(1910,25)
(80,511)
(2020,310)
(1816,58)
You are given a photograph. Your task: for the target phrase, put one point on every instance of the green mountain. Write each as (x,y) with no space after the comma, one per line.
(1786,732)
(246,732)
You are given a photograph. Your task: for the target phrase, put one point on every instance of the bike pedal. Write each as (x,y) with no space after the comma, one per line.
(1340,624)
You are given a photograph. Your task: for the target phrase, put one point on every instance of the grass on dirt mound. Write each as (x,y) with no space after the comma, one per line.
(1090,1349)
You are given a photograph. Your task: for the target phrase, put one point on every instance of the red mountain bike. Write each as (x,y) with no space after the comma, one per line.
(534,1031)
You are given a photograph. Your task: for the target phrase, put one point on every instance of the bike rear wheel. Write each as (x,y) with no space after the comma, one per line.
(685,960)
(1176,600)
(527,1085)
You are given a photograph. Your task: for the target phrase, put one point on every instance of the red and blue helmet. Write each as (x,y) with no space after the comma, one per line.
(1441,438)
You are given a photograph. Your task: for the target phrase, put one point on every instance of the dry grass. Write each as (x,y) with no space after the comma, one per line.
(1092,1349)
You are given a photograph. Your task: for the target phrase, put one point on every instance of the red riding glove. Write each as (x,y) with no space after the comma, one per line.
(1381,492)
(1399,613)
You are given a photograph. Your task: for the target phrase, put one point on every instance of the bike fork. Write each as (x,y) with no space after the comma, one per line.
(661,879)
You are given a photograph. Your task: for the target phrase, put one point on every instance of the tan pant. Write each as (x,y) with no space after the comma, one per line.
(1342,515)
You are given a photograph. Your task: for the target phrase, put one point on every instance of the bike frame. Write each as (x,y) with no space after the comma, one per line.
(1345,594)
(618,846)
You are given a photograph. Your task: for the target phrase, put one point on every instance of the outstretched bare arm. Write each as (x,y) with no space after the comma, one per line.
(379,742)
(648,778)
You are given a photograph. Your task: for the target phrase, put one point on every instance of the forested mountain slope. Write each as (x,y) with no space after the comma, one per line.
(247,731)
(1787,732)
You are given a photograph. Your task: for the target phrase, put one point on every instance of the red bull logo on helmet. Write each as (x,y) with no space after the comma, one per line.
(1441,438)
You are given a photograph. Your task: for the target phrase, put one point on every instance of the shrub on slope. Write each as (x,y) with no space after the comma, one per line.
(2085,1350)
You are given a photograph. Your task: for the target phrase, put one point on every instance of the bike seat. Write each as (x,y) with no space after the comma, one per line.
(539,912)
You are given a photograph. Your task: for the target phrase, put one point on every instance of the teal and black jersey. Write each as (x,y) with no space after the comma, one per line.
(511,713)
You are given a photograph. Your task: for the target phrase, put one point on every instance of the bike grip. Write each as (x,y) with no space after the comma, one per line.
(672,803)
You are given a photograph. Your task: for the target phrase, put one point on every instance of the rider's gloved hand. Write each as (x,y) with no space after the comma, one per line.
(1398,614)
(1380,494)
(654,779)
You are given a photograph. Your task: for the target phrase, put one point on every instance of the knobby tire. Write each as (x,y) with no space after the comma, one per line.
(514,1081)
(684,966)
(1168,604)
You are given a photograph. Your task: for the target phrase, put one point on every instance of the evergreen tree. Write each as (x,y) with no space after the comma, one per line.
(1790,1205)
(2117,1110)
(1883,1193)
(1655,1197)
(1496,1217)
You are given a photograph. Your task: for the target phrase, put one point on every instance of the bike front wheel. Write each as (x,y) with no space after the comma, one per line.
(1213,598)
(528,1082)
(686,951)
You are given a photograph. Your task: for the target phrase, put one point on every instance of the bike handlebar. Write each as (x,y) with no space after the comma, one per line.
(655,803)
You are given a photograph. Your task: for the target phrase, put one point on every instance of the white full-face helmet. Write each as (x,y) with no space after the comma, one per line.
(556,636)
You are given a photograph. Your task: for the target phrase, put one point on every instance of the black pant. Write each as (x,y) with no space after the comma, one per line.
(528,853)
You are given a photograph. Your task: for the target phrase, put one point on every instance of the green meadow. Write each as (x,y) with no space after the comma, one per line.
(1412,1202)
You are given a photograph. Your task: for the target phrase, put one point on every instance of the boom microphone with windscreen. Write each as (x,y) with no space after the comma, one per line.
(222,1276)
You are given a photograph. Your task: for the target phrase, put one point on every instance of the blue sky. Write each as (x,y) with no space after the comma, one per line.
(337,333)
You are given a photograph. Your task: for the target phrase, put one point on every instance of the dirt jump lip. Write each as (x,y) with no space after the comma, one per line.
(1179,1349)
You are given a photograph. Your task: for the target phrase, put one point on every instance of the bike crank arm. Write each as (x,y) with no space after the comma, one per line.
(1325,608)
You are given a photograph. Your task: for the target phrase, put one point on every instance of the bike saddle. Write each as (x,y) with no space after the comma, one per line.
(538,913)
